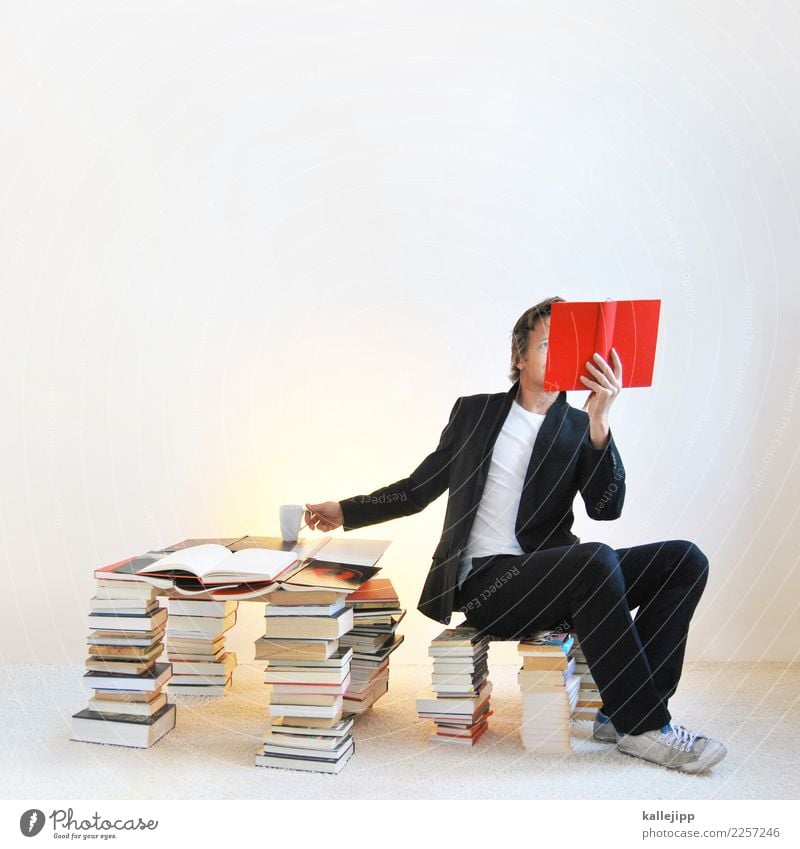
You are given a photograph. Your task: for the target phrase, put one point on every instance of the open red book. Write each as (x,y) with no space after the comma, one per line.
(579,329)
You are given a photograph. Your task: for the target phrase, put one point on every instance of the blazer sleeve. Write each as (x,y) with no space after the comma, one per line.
(409,495)
(601,480)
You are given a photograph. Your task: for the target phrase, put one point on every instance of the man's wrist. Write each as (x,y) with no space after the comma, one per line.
(344,506)
(599,433)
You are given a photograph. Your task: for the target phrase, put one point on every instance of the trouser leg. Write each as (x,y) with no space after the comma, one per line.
(511,596)
(665,580)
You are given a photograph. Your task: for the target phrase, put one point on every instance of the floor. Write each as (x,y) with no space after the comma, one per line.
(209,755)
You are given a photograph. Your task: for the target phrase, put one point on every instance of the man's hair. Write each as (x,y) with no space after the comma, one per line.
(525,323)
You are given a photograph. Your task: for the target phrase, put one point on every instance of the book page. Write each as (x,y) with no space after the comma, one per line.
(354,552)
(262,563)
(197,559)
(309,546)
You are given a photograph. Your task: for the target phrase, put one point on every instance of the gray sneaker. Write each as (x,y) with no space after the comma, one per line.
(603,729)
(674,747)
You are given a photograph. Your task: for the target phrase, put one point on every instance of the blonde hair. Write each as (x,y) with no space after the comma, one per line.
(525,323)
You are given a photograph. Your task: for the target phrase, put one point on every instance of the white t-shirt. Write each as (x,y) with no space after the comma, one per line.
(493,529)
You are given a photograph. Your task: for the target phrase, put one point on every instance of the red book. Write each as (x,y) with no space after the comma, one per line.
(375,589)
(579,329)
(472,738)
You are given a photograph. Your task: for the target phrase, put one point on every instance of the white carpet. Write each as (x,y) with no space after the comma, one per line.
(209,755)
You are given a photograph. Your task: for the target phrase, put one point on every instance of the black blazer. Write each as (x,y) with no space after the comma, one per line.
(563,462)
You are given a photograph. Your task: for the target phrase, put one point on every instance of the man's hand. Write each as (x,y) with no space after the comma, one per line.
(324,516)
(605,388)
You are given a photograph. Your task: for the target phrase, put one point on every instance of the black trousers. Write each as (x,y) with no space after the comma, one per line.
(635,662)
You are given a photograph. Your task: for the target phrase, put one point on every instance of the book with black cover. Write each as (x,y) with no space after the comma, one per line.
(150,680)
(334,576)
(137,731)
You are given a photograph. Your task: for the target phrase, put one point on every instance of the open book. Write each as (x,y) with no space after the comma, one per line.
(180,581)
(214,564)
(579,329)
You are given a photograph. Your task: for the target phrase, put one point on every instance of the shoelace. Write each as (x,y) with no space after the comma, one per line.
(681,738)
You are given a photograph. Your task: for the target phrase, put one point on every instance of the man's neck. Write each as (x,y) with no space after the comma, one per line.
(535,400)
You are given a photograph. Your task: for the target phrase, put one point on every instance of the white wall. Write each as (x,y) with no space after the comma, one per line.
(250,253)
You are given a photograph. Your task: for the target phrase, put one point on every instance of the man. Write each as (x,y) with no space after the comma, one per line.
(513,463)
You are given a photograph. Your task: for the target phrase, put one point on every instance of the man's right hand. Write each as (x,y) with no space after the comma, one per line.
(324,516)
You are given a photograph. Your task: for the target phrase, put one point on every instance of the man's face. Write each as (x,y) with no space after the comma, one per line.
(532,366)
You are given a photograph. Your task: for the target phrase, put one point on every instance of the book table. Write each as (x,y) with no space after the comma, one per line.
(327,642)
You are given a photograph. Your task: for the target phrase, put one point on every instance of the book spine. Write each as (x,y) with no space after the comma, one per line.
(604,333)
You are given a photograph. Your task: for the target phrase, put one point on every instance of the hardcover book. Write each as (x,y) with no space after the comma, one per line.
(579,329)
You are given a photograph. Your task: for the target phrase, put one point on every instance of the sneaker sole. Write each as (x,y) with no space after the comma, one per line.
(707,759)
(712,755)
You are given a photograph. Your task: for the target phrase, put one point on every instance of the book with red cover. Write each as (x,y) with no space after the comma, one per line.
(579,329)
(375,589)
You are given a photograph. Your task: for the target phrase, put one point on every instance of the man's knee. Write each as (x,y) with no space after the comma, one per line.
(600,566)
(693,563)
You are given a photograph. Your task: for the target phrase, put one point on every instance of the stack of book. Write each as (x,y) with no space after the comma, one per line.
(196,646)
(376,615)
(308,671)
(549,691)
(128,706)
(458,701)
(309,667)
(589,698)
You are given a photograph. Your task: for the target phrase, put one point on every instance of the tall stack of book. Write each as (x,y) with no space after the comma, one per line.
(196,646)
(128,706)
(376,615)
(549,691)
(458,701)
(308,671)
(589,698)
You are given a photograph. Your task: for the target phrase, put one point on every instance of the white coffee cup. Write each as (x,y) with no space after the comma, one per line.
(291,516)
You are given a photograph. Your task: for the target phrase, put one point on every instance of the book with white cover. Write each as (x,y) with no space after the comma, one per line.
(341,729)
(309,626)
(191,607)
(353,552)
(212,563)
(324,711)
(305,609)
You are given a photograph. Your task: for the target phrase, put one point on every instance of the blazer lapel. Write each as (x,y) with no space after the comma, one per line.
(545,439)
(494,425)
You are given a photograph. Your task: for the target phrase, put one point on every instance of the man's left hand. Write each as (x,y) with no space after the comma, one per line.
(605,387)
